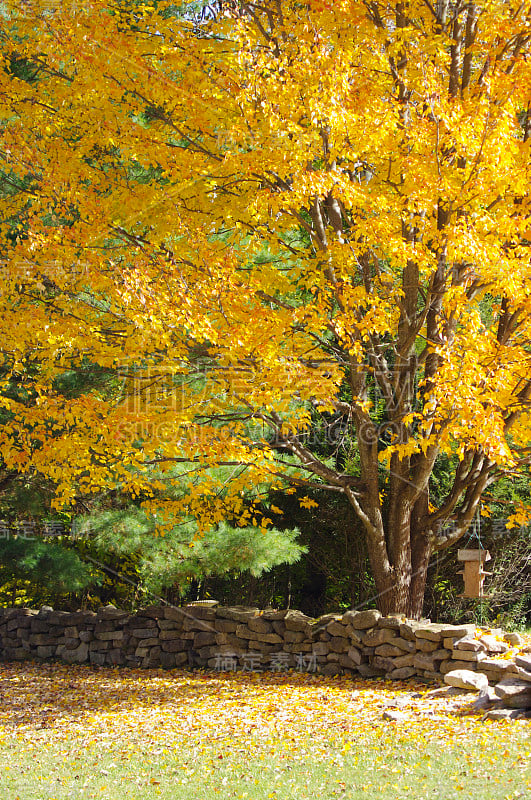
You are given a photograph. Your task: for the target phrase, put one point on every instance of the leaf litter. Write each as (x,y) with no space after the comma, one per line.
(215,718)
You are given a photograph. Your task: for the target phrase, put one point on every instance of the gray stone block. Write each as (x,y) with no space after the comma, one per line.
(46,651)
(402,673)
(243,632)
(237,613)
(336,628)
(204,639)
(362,620)
(467,679)
(388,650)
(77,656)
(378,637)
(338,644)
(469,655)
(259,625)
(432,632)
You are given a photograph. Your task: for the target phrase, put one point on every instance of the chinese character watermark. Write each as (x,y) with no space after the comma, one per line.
(227,662)
(255,662)
(29,529)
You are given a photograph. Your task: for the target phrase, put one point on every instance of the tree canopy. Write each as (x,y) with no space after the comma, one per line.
(264,219)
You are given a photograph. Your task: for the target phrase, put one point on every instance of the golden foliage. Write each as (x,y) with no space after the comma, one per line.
(247,213)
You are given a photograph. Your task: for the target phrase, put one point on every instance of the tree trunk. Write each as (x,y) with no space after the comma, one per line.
(420,559)
(420,556)
(392,590)
(401,582)
(403,593)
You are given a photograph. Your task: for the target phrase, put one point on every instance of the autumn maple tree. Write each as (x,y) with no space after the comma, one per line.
(259,214)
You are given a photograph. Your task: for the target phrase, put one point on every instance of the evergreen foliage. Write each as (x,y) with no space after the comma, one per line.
(180,556)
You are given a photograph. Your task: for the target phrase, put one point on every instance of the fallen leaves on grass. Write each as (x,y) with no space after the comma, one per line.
(166,707)
(153,726)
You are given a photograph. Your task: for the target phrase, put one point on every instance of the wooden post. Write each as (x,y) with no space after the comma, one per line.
(473,572)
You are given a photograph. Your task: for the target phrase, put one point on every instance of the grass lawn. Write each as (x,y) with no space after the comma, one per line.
(81,732)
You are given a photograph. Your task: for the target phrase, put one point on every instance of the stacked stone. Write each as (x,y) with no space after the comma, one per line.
(15,633)
(357,642)
(247,634)
(512,695)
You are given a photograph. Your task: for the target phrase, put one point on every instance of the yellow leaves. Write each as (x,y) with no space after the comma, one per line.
(402,450)
(520,517)
(243,216)
(148,728)
(307,502)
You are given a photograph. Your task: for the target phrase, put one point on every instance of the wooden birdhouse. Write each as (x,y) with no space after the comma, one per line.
(473,572)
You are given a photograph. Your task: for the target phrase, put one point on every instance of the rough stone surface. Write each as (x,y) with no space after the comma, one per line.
(502,713)
(402,673)
(237,613)
(510,689)
(355,643)
(514,639)
(523,661)
(466,679)
(393,622)
(404,644)
(493,645)
(404,661)
(469,655)
(155,612)
(495,664)
(440,655)
(347,662)
(427,645)
(336,628)
(79,655)
(270,638)
(354,655)
(174,614)
(407,630)
(204,638)
(469,643)
(384,664)
(362,620)
(432,632)
(520,673)
(457,631)
(338,644)
(142,633)
(378,637)
(423,661)
(388,650)
(171,633)
(487,698)
(111,612)
(297,621)
(368,671)
(259,624)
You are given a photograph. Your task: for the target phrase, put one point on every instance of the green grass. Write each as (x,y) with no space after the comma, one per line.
(81,733)
(388,765)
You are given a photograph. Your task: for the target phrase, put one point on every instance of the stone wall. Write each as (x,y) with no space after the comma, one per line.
(356,642)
